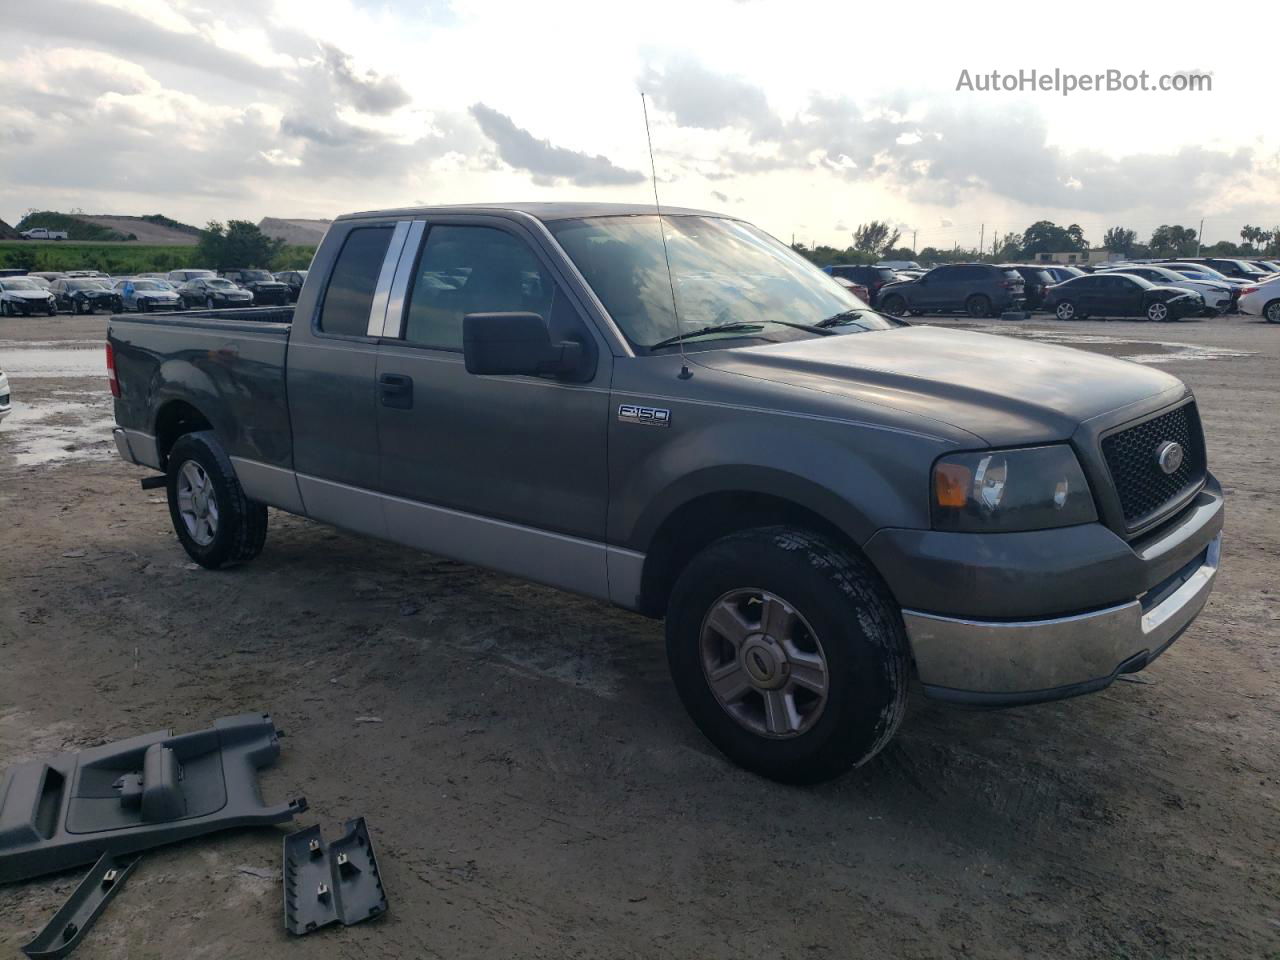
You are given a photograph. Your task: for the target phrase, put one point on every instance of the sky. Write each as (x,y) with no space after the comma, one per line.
(805,118)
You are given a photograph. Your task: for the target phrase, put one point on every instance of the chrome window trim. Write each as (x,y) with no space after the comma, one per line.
(382,291)
(393,321)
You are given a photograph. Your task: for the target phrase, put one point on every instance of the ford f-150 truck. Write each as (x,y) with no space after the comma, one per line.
(825,503)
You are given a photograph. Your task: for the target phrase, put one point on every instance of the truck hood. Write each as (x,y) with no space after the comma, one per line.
(1004,390)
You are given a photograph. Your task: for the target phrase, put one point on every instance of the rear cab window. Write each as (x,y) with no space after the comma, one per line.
(348,298)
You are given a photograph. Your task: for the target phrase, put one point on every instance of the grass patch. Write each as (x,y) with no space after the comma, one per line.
(123,259)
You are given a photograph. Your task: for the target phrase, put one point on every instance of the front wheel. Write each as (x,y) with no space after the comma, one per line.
(216,523)
(1158,312)
(208,303)
(789,653)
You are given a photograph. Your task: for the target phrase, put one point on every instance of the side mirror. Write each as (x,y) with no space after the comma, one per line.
(496,344)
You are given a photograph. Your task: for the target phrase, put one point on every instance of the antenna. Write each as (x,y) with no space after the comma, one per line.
(675,311)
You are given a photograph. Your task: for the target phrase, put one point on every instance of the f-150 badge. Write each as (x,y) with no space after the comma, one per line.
(654,416)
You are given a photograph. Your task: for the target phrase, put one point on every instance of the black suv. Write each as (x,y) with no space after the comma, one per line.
(293,279)
(265,288)
(979,289)
(1035,280)
(873,278)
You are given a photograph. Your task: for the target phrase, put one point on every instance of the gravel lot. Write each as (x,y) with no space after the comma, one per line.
(533,786)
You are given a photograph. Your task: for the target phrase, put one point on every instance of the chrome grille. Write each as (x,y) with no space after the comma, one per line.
(1144,489)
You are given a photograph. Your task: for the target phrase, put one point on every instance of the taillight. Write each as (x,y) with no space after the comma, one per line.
(1244,290)
(112,381)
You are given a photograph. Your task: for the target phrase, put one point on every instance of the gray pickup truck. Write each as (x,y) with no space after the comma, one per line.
(826,504)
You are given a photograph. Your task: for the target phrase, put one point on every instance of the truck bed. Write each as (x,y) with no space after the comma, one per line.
(227,364)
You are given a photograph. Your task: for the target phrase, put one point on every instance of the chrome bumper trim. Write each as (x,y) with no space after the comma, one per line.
(1010,657)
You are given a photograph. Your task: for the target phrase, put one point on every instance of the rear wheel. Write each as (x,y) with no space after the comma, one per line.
(216,523)
(1272,311)
(894,305)
(5,309)
(788,652)
(978,306)
(1066,310)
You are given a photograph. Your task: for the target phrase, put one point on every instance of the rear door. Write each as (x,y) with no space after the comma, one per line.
(332,365)
(507,471)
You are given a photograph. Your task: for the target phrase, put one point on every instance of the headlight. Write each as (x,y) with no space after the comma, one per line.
(1002,491)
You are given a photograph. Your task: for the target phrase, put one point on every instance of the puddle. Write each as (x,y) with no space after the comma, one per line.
(1138,351)
(56,431)
(24,360)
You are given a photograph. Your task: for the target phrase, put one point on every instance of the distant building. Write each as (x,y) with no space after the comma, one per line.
(1096,255)
(302,233)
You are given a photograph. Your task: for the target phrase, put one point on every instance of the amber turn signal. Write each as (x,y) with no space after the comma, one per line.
(951,482)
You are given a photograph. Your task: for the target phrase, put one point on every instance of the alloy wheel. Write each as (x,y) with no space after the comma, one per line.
(197,504)
(763,663)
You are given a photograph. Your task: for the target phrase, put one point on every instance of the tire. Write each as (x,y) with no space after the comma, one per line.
(52,309)
(1065,310)
(208,303)
(1159,312)
(1272,311)
(978,306)
(840,616)
(5,309)
(237,528)
(894,305)
(144,306)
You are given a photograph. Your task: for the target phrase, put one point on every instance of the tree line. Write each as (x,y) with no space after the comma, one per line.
(877,240)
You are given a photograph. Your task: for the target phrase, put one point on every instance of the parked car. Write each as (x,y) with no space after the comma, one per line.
(901,265)
(213,292)
(873,278)
(37,279)
(92,274)
(50,275)
(6,402)
(1266,266)
(1111,294)
(1199,271)
(145,295)
(266,289)
(979,289)
(182,276)
(1035,280)
(24,297)
(1061,272)
(293,279)
(824,505)
(1218,297)
(84,295)
(857,289)
(1229,266)
(42,233)
(1262,299)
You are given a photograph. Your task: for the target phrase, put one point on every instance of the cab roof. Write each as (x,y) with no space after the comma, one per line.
(546,212)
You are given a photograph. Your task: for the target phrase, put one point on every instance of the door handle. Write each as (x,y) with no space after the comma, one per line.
(396,391)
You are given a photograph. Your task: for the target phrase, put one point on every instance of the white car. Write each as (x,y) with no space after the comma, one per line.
(1217,295)
(21,297)
(5,407)
(1198,271)
(1262,299)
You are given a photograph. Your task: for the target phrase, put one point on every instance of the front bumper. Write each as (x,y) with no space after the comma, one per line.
(1006,619)
(999,663)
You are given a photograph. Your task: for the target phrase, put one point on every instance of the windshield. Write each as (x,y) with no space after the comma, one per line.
(19,285)
(146,285)
(255,275)
(725,271)
(219,282)
(86,285)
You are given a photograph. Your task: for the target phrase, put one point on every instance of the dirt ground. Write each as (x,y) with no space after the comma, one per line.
(534,788)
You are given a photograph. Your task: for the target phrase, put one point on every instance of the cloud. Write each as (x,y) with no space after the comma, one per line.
(368,92)
(699,98)
(933,151)
(548,163)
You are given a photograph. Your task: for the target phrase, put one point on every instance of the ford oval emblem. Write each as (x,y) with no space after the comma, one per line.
(1169,456)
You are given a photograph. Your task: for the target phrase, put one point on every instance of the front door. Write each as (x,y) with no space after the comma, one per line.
(508,471)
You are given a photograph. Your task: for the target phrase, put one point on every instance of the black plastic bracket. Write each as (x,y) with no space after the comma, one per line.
(154,483)
(67,927)
(331,883)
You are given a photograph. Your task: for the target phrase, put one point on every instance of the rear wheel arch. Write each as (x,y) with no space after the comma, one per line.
(174,419)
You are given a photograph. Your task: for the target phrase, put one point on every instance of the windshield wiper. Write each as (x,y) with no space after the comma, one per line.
(844,317)
(741,326)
